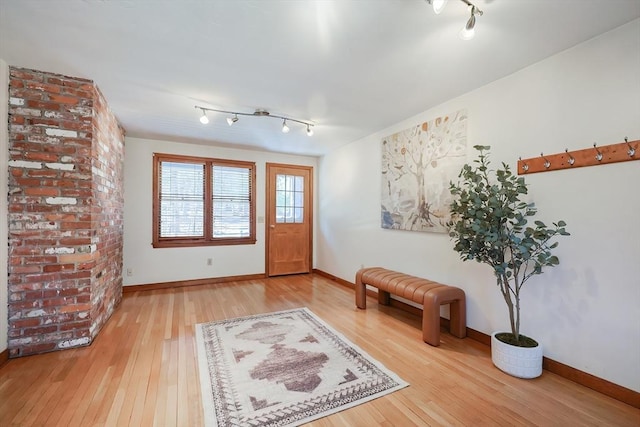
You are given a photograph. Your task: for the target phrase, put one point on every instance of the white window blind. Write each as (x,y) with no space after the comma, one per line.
(181,200)
(231,201)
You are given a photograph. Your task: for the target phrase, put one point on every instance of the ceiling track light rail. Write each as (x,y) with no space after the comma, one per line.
(468,31)
(257,113)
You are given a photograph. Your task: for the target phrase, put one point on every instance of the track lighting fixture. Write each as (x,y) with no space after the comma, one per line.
(204,119)
(468,31)
(258,113)
(232,120)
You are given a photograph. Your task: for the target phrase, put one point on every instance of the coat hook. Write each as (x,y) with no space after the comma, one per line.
(572,160)
(547,163)
(631,151)
(525,167)
(599,155)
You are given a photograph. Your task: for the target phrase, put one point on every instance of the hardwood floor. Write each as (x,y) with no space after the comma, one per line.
(141,369)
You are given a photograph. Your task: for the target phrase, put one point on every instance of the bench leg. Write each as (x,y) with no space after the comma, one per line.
(431,314)
(431,324)
(361,292)
(458,318)
(384,298)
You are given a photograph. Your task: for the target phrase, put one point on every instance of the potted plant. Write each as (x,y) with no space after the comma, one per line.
(489,224)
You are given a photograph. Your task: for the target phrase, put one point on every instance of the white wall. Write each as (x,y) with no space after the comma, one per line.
(585,312)
(151,265)
(4,167)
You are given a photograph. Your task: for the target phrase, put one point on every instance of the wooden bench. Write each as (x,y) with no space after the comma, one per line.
(426,292)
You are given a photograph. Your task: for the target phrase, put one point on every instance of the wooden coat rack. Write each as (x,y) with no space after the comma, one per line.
(621,152)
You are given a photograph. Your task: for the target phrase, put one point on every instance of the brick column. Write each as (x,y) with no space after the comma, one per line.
(65,212)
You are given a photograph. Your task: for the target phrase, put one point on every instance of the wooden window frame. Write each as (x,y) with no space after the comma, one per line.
(208,239)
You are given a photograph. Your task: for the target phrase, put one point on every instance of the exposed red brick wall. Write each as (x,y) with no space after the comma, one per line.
(107,160)
(65,212)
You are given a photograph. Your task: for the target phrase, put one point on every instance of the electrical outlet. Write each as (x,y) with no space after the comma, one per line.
(209,261)
(129,271)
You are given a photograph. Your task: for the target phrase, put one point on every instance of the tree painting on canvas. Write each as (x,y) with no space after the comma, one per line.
(417,165)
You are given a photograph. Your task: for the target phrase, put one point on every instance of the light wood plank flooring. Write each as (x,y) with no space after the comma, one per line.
(141,370)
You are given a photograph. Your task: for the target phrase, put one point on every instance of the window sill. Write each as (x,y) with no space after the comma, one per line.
(196,243)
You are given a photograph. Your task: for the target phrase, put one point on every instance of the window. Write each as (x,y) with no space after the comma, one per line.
(200,201)
(289,198)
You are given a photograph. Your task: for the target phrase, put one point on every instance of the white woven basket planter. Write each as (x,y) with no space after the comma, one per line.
(521,362)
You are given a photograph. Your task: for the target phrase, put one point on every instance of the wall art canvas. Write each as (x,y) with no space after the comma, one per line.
(417,165)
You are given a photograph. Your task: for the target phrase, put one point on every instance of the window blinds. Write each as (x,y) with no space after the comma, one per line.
(181,200)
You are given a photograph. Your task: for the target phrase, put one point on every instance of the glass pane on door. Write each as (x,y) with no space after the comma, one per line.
(289,199)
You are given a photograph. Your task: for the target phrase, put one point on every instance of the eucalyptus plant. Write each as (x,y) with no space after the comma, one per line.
(489,224)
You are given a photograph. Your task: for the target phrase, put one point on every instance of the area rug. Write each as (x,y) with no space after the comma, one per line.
(283,369)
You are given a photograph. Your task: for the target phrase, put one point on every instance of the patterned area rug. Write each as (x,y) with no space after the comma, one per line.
(283,369)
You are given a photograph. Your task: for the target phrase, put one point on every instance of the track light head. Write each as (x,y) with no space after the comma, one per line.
(232,120)
(285,128)
(309,130)
(204,119)
(468,31)
(438,5)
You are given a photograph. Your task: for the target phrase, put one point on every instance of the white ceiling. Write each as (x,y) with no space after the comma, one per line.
(353,67)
